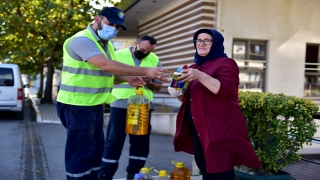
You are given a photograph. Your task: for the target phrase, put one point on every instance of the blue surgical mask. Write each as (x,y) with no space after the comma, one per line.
(107,32)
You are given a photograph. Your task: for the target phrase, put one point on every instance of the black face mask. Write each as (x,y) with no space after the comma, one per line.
(139,54)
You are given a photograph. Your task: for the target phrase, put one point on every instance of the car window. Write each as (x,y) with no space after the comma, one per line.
(6,77)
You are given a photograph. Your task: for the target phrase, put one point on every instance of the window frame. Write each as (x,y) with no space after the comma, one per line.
(248,66)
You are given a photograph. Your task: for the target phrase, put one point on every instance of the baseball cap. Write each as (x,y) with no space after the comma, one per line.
(114,15)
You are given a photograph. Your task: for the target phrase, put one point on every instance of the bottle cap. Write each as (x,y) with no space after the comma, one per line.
(179,165)
(179,69)
(144,170)
(163,173)
(139,90)
(137,176)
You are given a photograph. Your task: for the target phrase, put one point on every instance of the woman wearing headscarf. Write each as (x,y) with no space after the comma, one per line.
(210,124)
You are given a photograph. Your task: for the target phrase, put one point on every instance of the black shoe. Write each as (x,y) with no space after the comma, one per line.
(130,176)
(104,177)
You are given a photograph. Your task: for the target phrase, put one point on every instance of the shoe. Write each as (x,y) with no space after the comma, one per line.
(104,177)
(130,176)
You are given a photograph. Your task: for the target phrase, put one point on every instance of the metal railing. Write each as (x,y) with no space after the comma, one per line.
(312,89)
(312,70)
(162,103)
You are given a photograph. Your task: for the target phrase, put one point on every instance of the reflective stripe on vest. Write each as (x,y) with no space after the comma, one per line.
(83,83)
(86,71)
(85,90)
(125,90)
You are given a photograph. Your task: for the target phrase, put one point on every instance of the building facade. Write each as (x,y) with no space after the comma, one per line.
(275,42)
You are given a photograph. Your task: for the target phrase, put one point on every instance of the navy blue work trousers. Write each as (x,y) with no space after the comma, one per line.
(85,139)
(115,138)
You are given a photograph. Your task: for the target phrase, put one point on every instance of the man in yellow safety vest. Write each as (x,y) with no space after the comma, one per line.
(88,74)
(139,55)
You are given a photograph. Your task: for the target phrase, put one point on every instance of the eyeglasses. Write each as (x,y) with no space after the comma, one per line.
(205,41)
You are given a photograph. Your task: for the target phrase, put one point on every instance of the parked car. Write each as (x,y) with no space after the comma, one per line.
(11,90)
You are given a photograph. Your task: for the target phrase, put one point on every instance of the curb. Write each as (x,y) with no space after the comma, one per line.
(38,113)
(35,106)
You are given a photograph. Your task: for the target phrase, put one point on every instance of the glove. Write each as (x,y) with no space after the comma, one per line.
(174,92)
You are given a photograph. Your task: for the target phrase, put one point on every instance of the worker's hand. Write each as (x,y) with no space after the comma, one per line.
(146,79)
(159,73)
(174,92)
(135,81)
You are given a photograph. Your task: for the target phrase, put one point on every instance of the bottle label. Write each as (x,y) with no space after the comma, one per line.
(175,83)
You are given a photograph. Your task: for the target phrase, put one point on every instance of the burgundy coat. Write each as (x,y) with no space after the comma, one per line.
(218,120)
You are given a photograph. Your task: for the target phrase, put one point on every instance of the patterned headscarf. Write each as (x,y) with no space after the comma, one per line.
(217,48)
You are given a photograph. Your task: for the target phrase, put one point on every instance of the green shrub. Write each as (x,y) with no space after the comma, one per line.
(278,126)
(39,94)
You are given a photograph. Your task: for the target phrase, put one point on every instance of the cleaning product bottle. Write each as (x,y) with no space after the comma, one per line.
(138,113)
(138,176)
(179,172)
(145,173)
(162,175)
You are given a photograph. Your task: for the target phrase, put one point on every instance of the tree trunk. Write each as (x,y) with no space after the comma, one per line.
(47,98)
(40,90)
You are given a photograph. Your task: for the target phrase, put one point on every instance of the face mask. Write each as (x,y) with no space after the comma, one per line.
(139,54)
(107,32)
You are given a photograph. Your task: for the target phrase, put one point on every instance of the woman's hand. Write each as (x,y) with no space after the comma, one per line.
(209,82)
(190,75)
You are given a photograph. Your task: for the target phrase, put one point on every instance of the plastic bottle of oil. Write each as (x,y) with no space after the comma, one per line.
(138,113)
(145,173)
(179,172)
(162,175)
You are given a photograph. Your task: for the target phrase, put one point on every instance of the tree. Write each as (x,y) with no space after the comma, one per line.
(33,32)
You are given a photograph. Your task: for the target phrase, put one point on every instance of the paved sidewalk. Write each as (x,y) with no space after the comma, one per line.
(46,113)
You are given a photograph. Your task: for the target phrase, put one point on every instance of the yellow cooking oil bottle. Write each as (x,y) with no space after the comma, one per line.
(137,122)
(179,172)
(145,173)
(162,175)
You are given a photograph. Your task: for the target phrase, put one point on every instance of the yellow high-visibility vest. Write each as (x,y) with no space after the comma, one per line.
(82,83)
(125,90)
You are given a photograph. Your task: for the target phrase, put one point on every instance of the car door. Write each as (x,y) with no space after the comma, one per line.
(8,90)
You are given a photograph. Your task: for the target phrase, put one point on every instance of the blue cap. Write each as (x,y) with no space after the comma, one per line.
(137,176)
(114,15)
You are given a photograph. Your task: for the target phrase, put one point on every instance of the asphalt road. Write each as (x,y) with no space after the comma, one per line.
(10,147)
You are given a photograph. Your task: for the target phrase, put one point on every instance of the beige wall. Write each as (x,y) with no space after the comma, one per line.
(173,26)
(287,25)
(163,10)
